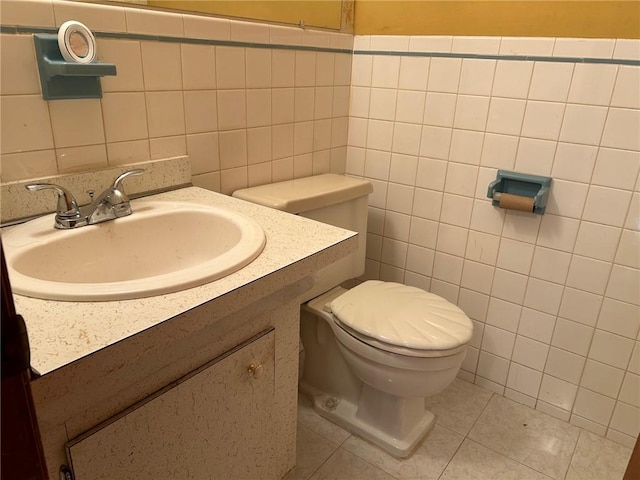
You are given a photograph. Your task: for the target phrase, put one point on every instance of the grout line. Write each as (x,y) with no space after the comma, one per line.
(527,58)
(177,39)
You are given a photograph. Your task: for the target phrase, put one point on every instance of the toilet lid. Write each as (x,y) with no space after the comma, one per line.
(401,315)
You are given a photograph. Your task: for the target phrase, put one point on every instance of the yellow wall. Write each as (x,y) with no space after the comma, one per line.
(317,13)
(560,18)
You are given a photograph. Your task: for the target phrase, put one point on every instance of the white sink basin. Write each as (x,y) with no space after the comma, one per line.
(162,247)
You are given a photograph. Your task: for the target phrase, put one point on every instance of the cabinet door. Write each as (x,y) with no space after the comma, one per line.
(214,423)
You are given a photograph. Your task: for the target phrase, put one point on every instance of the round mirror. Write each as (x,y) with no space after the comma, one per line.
(77,43)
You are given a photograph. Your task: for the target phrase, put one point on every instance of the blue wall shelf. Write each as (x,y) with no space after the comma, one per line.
(66,80)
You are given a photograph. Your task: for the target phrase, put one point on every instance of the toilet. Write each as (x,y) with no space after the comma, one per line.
(372,353)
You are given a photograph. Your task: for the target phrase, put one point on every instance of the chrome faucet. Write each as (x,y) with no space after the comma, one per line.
(111,204)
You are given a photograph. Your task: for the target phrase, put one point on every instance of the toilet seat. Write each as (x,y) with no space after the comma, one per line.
(402,319)
(398,350)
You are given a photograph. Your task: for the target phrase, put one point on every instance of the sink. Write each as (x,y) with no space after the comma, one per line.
(162,247)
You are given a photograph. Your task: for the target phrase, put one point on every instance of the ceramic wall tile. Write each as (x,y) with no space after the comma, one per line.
(476,77)
(377,165)
(385,71)
(619,317)
(574,162)
(25,124)
(592,84)
(198,67)
(625,93)
(572,336)
(611,349)
(626,49)
(557,392)
(230,67)
(620,127)
(616,168)
(602,378)
(527,46)
(505,116)
(523,384)
(82,158)
(37,13)
(19,166)
(551,81)
(203,152)
(551,265)
(568,199)
(414,73)
(124,153)
(581,47)
(444,75)
(209,28)
(594,406)
(580,306)
(564,365)
(452,239)
(543,120)
(104,18)
(18,68)
(530,353)
(626,419)
(477,277)
(200,111)
(77,122)
(430,43)
(512,79)
(597,241)
(583,124)
(154,22)
(165,113)
(588,274)
(480,45)
(232,109)
(624,284)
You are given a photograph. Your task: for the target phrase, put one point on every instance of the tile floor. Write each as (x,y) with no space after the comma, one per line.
(478,436)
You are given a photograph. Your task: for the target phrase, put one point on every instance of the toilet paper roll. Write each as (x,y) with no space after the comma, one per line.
(515,202)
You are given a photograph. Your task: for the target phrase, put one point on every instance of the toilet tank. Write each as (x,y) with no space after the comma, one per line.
(329,198)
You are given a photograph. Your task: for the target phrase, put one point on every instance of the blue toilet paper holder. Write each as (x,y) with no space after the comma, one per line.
(534,187)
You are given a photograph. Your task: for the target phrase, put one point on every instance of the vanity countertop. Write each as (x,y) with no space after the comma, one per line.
(61,333)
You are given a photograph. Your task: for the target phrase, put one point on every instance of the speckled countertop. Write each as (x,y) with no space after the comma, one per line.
(61,333)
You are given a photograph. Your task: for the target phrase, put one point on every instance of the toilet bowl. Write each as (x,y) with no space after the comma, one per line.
(374,352)
(371,379)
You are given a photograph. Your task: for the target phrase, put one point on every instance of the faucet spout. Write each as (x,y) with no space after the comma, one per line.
(111,204)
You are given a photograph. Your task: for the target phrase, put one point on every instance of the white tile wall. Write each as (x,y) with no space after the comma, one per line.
(554,299)
(246,116)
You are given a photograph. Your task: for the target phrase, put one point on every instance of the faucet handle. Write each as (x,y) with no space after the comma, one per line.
(117,183)
(67,206)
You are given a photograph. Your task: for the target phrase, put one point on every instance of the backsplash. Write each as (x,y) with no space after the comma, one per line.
(554,298)
(19,204)
(250,103)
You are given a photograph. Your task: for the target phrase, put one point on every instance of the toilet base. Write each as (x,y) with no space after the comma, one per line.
(345,414)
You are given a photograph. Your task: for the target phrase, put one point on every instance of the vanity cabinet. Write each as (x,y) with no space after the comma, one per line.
(215,422)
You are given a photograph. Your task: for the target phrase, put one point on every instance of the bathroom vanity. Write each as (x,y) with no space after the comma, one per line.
(200,383)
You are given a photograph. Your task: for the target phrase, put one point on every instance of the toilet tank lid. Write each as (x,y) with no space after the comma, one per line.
(308,193)
(404,316)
